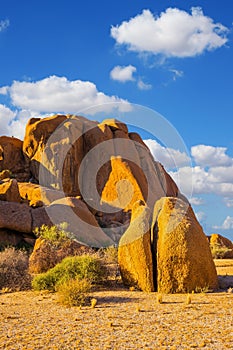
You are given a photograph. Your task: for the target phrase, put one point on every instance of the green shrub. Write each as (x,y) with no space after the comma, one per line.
(81,267)
(14,274)
(74,292)
(56,234)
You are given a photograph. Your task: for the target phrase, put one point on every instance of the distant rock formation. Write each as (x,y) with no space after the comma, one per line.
(104,182)
(221,247)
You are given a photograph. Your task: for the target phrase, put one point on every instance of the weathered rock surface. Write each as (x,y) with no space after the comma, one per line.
(77,137)
(184,261)
(46,254)
(15,216)
(37,195)
(221,246)
(9,191)
(81,222)
(134,252)
(12,158)
(15,238)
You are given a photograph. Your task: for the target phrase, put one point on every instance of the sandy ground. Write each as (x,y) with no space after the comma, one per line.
(122,319)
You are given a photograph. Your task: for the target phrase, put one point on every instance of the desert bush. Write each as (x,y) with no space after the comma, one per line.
(74,292)
(109,258)
(81,267)
(14,270)
(109,254)
(52,246)
(56,234)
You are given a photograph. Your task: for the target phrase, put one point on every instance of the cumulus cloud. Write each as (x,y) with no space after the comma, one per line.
(169,157)
(195,175)
(227,224)
(4,24)
(6,118)
(201,216)
(203,182)
(123,73)
(222,174)
(196,201)
(58,94)
(175,33)
(52,95)
(142,85)
(211,156)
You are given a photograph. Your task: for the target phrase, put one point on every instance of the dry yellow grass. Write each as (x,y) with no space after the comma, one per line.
(34,320)
(224,266)
(225,272)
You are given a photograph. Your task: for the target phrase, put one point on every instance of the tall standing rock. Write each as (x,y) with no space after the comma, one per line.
(184,261)
(134,252)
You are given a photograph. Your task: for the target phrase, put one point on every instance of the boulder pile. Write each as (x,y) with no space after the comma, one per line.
(103,181)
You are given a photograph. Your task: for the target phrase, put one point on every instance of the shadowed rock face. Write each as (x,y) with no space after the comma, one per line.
(12,158)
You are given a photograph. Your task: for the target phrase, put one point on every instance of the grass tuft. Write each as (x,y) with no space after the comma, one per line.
(74,292)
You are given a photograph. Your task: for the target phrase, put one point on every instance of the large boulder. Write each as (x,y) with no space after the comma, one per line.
(15,238)
(184,261)
(38,195)
(47,254)
(15,216)
(9,191)
(134,252)
(112,160)
(12,158)
(221,247)
(81,222)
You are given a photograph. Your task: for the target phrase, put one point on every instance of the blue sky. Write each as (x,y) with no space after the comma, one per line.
(174,57)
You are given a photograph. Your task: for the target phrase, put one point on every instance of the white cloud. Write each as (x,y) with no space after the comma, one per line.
(58,94)
(211,156)
(6,117)
(18,124)
(176,74)
(202,180)
(143,86)
(174,33)
(169,157)
(227,224)
(221,174)
(196,176)
(4,90)
(4,24)
(123,73)
(196,201)
(201,216)
(52,95)
(228,202)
